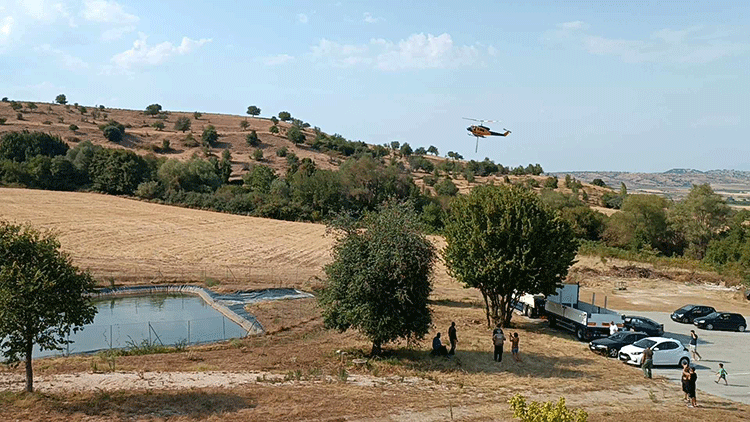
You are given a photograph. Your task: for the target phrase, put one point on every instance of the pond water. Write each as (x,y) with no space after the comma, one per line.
(159,319)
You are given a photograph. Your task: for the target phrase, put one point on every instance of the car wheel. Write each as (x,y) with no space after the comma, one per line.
(580,335)
(552,322)
(613,353)
(685,321)
(741,328)
(709,326)
(684,361)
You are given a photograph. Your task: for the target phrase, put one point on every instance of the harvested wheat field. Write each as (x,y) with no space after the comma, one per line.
(295,371)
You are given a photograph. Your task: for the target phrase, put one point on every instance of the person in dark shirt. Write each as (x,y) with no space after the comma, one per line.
(691,388)
(437,347)
(452,338)
(647,362)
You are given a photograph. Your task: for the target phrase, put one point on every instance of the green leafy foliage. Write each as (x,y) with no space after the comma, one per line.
(642,223)
(61,99)
(295,135)
(259,179)
(197,115)
(158,125)
(545,412)
(43,297)
(209,136)
(182,124)
(274,129)
(446,187)
(406,150)
(153,110)
(550,182)
(599,182)
(244,124)
(258,155)
(117,171)
(379,280)
(253,110)
(252,139)
(504,242)
(194,175)
(699,218)
(23,146)
(285,116)
(113,131)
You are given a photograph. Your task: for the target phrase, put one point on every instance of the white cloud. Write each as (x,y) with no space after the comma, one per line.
(277,60)
(368,18)
(116,33)
(44,10)
(64,59)
(144,55)
(6,27)
(418,51)
(106,12)
(302,18)
(684,46)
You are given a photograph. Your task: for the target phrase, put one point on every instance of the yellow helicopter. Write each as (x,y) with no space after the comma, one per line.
(480,130)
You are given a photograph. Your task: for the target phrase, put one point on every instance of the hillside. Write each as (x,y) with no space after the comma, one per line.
(143,138)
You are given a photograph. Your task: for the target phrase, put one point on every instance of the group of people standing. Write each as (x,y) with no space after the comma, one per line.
(498,340)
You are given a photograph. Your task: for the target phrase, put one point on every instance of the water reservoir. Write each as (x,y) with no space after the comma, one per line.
(166,319)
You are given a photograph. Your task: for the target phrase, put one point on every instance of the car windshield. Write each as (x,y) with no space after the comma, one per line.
(712,315)
(685,308)
(644,343)
(620,335)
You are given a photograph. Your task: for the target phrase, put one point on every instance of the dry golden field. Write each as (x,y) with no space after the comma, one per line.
(294,371)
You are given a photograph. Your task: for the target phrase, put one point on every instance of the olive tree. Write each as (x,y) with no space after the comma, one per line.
(61,99)
(379,280)
(504,242)
(253,110)
(43,297)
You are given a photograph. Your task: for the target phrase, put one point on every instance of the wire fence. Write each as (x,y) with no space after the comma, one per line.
(94,338)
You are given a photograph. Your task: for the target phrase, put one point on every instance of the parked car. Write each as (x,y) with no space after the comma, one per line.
(643,324)
(667,351)
(722,321)
(688,313)
(610,346)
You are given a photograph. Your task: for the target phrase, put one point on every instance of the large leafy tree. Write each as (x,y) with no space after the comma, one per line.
(379,280)
(504,242)
(43,297)
(61,99)
(699,218)
(253,110)
(642,223)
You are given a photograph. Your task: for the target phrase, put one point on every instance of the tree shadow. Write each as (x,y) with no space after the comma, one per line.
(456,304)
(136,404)
(480,362)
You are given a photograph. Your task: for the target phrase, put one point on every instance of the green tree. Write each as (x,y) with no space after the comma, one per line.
(244,124)
(15,105)
(117,171)
(433,150)
(153,110)
(446,187)
(274,129)
(209,136)
(642,222)
(252,139)
(258,155)
(550,182)
(295,135)
(61,99)
(504,242)
(31,106)
(73,127)
(253,110)
(285,116)
(699,218)
(194,175)
(182,124)
(259,178)
(113,133)
(197,115)
(406,150)
(23,146)
(395,145)
(420,151)
(274,120)
(43,297)
(158,125)
(379,280)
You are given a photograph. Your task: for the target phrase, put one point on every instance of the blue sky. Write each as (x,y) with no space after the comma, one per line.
(610,85)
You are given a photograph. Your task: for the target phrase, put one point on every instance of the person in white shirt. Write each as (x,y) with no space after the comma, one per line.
(613,328)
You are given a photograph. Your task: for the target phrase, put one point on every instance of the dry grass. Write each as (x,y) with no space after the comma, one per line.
(114,236)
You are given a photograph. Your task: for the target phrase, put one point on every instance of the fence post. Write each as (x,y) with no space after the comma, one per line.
(149,332)
(224,327)
(188,331)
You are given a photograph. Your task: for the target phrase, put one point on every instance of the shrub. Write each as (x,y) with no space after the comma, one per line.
(295,135)
(197,115)
(273,129)
(61,99)
(19,116)
(258,155)
(158,126)
(113,131)
(429,180)
(599,182)
(550,182)
(244,124)
(547,411)
(209,136)
(281,152)
(3,120)
(166,146)
(182,124)
(152,110)
(190,142)
(47,122)
(285,116)
(252,139)
(149,190)
(446,187)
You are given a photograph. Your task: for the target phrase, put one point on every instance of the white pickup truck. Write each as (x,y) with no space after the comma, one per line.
(586,321)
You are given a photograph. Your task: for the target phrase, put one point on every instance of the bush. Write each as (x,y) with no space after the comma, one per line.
(599,182)
(152,110)
(19,116)
(244,124)
(197,115)
(252,139)
(182,124)
(158,126)
(258,155)
(285,116)
(3,120)
(295,135)
(113,133)
(274,129)
(281,152)
(209,136)
(190,142)
(166,145)
(446,187)
(545,412)
(149,190)
(61,99)
(47,122)
(550,183)
(429,180)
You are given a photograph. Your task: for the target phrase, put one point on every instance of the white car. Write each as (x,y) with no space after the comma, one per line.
(667,351)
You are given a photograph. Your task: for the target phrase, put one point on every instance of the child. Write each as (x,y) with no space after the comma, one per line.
(514,347)
(722,374)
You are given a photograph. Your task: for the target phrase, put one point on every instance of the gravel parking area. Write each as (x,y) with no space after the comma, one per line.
(727,347)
